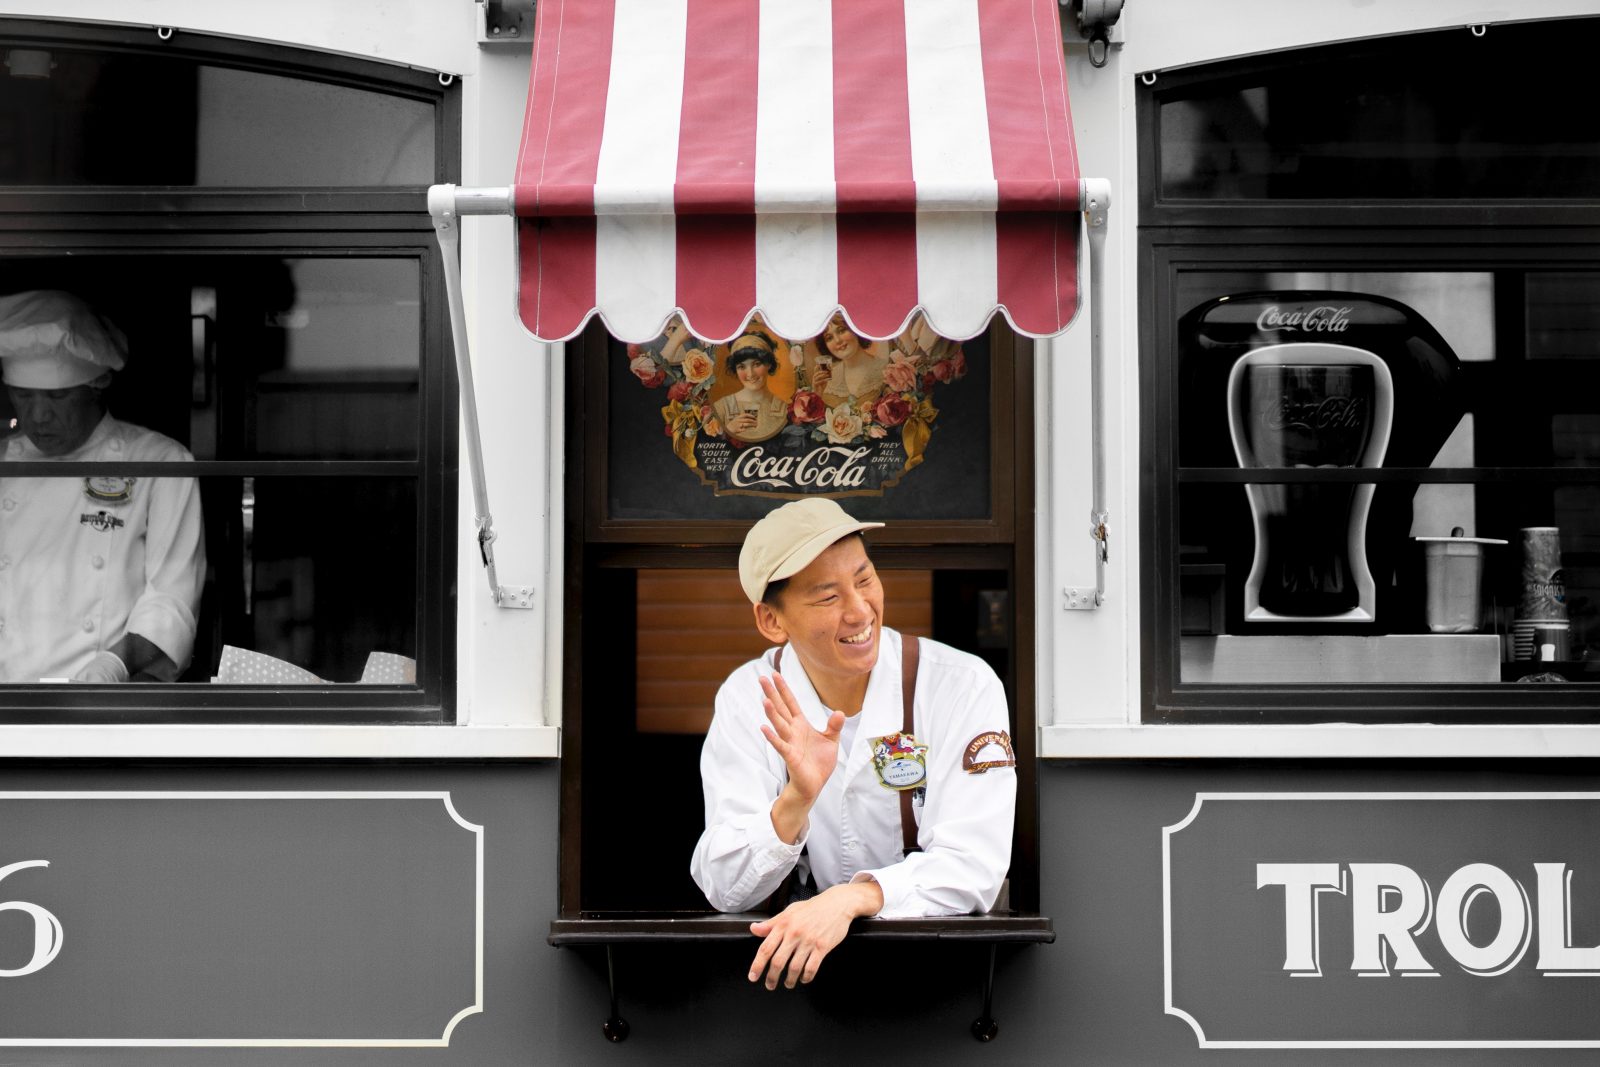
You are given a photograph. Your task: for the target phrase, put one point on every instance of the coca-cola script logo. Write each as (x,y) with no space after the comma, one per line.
(820,469)
(1329,413)
(1323,319)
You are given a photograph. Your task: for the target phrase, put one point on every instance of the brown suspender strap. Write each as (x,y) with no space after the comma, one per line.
(910,650)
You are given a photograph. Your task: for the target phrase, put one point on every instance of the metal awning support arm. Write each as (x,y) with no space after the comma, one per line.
(1095,201)
(446,205)
(1096,206)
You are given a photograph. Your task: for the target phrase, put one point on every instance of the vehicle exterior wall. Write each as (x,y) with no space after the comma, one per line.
(1095,996)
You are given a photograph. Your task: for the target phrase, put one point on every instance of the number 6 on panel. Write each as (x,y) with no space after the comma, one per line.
(46,927)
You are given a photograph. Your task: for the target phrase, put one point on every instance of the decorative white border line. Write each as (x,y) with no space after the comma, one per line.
(1166,919)
(442,1041)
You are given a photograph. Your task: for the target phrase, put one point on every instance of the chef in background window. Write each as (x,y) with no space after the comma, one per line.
(100,574)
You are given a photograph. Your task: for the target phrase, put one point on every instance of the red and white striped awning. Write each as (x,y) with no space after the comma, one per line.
(792,158)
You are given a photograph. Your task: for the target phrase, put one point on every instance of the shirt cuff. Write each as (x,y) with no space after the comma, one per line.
(769,853)
(896,891)
(766,841)
(167,624)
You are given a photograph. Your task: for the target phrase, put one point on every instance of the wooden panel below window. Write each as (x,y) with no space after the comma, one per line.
(695,628)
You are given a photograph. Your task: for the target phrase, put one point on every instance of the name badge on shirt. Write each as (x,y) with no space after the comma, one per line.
(103,521)
(900,760)
(113,491)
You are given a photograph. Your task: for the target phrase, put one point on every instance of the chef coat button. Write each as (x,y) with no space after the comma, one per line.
(2,626)
(9,504)
(5,561)
(88,626)
(116,446)
(849,846)
(97,562)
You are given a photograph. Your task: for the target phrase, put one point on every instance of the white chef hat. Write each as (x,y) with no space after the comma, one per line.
(53,340)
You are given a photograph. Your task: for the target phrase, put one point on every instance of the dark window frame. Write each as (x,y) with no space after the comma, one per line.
(1181,235)
(387,222)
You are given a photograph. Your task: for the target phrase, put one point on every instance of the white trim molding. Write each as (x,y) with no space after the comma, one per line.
(255,741)
(1318,741)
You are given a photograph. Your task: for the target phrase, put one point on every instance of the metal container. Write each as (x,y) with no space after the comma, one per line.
(1455,579)
(1544,594)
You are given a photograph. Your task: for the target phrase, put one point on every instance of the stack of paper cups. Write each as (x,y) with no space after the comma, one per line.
(1540,631)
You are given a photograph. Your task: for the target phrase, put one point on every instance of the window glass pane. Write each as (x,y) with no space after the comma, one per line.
(246,360)
(334,358)
(74,117)
(1563,315)
(1400,118)
(1309,576)
(259,581)
(257,356)
(724,431)
(1461,618)
(326,582)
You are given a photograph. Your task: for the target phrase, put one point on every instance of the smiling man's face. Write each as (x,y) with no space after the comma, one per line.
(832,615)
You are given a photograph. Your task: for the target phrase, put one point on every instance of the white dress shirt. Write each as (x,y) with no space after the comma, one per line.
(853,832)
(78,570)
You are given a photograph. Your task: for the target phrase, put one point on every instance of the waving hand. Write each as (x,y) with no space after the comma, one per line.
(809,755)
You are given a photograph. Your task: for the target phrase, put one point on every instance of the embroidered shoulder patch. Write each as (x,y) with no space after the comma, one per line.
(988,751)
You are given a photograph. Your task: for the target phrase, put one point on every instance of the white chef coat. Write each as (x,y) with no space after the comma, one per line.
(79,572)
(853,832)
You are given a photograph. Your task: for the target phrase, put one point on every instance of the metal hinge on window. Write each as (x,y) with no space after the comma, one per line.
(505,21)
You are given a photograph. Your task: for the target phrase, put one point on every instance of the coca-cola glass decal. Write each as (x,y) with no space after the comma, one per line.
(1310,405)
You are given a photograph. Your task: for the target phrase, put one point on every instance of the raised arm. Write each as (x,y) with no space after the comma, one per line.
(760,780)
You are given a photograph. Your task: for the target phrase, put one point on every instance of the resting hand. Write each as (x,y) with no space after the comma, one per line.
(146,662)
(797,938)
(105,669)
(809,755)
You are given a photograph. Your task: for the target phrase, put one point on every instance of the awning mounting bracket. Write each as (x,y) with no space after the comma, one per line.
(505,22)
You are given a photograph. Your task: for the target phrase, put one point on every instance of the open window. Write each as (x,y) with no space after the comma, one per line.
(245,216)
(656,617)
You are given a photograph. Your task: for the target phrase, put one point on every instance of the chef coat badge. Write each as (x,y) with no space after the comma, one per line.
(102,521)
(900,760)
(113,491)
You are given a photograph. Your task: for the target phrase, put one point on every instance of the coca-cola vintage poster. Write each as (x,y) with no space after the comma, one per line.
(837,414)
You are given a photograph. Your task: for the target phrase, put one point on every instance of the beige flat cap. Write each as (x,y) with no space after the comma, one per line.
(788,538)
(51,339)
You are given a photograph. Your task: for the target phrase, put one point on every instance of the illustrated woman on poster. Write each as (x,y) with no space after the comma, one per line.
(754,413)
(846,365)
